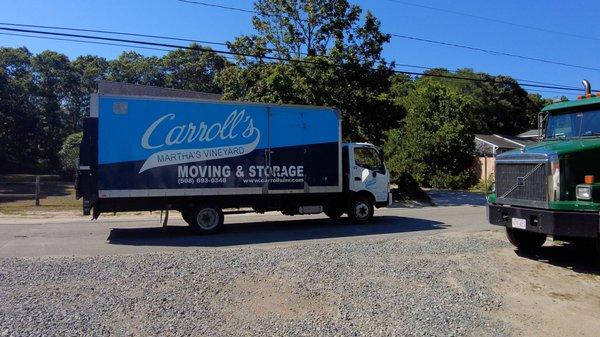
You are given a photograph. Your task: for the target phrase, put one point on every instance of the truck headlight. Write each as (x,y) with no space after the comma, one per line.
(584,192)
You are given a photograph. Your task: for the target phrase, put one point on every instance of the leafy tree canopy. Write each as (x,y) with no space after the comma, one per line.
(434,144)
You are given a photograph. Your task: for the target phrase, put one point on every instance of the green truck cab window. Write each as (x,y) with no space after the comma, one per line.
(573,124)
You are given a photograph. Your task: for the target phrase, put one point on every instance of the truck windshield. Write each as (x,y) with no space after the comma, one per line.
(573,125)
(368,158)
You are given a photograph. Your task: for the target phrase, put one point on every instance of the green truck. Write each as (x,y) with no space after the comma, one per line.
(551,188)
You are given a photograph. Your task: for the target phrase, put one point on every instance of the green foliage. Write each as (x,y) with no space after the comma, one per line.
(44,97)
(341,47)
(434,144)
(427,123)
(193,69)
(484,185)
(69,153)
(499,104)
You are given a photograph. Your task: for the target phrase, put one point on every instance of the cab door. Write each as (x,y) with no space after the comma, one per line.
(368,171)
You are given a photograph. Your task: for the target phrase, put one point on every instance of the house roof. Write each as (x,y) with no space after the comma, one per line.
(534,133)
(500,141)
(523,141)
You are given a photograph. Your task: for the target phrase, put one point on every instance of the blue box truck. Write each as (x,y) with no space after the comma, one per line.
(148,148)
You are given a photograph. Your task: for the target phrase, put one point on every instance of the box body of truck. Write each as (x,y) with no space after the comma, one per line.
(163,152)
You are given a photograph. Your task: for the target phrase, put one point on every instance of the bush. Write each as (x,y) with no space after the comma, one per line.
(68,155)
(408,189)
(484,185)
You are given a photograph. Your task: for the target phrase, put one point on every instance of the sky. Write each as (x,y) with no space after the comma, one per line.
(565,31)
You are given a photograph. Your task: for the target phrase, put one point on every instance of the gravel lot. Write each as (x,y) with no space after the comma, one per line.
(424,285)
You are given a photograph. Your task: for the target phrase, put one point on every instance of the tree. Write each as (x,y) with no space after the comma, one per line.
(88,70)
(536,103)
(434,143)
(18,125)
(500,105)
(132,67)
(339,63)
(53,79)
(298,28)
(193,69)
(69,152)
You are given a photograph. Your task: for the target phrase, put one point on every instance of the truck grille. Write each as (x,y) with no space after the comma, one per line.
(522,183)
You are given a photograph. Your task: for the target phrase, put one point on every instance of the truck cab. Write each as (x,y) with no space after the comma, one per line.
(366,179)
(551,188)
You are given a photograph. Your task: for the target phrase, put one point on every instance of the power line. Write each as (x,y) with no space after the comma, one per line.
(218,6)
(164,37)
(168,50)
(188,40)
(82,41)
(515,78)
(508,23)
(237,9)
(493,52)
(448,44)
(275,58)
(98,43)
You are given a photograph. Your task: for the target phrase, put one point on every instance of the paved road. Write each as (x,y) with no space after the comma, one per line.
(136,234)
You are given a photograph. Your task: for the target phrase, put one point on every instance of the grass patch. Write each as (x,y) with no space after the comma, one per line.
(55,195)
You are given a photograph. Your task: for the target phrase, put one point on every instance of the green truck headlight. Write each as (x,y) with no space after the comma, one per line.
(584,192)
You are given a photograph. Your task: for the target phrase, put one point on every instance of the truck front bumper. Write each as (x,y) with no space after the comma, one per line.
(556,223)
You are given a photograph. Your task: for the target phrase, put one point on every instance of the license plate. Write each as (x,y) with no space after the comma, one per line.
(519,223)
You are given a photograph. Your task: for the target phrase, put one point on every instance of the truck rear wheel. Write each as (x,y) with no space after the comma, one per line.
(361,209)
(205,219)
(525,241)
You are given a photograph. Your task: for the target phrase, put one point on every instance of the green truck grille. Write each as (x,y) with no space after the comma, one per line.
(522,183)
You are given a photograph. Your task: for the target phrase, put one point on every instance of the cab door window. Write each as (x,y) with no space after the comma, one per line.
(368,158)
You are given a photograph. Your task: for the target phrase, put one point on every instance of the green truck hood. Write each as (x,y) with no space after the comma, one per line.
(561,147)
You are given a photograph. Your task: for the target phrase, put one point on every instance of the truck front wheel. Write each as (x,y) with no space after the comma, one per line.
(525,241)
(361,209)
(205,219)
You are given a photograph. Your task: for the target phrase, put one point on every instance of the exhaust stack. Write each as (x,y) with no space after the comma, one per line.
(588,88)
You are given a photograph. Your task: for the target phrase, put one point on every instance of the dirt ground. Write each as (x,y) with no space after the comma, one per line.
(553,293)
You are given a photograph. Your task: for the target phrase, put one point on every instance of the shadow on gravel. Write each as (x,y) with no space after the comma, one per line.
(580,258)
(269,231)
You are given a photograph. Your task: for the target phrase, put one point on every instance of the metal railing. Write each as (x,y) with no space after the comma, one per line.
(35,195)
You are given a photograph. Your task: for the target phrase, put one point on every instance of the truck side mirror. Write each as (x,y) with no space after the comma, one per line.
(542,117)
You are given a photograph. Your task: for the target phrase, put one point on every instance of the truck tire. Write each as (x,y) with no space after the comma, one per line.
(598,250)
(334,213)
(361,209)
(525,241)
(205,219)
